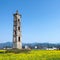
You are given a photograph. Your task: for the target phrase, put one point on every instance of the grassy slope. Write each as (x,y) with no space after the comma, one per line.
(32,55)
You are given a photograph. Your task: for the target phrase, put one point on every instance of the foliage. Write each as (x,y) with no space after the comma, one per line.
(32,55)
(17,51)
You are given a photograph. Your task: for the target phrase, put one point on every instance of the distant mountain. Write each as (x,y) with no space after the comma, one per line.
(4,45)
(31,45)
(42,45)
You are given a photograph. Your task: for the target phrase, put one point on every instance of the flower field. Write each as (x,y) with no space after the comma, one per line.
(32,55)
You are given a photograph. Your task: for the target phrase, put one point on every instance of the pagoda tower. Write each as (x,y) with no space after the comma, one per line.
(17,42)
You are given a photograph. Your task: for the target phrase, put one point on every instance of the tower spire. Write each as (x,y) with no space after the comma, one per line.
(16,11)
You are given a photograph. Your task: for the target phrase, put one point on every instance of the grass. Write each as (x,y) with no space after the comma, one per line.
(32,55)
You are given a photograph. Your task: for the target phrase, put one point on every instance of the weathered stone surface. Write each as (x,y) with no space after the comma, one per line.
(17,31)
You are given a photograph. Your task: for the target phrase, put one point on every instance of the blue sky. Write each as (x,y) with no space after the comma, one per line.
(40,20)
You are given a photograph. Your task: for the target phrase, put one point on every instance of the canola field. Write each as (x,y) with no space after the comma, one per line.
(32,55)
